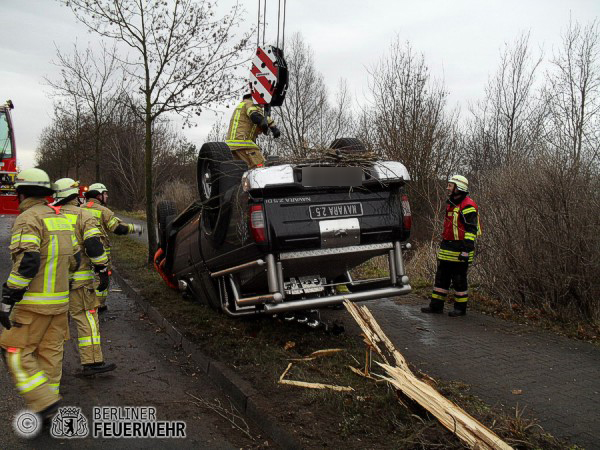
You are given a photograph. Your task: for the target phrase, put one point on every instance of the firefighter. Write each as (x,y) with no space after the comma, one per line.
(44,253)
(247,122)
(83,302)
(97,198)
(461,227)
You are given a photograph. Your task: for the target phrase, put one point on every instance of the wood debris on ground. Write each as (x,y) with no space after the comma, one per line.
(306,384)
(467,428)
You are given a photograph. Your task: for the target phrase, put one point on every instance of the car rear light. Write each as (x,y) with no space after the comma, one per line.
(257,224)
(406,215)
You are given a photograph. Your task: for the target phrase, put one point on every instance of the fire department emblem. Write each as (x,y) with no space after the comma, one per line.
(68,423)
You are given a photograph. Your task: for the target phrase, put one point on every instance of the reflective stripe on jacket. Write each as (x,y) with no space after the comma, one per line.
(242,131)
(40,229)
(86,227)
(461,228)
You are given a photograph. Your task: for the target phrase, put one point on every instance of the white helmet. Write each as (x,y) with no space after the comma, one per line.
(65,187)
(34,180)
(462,184)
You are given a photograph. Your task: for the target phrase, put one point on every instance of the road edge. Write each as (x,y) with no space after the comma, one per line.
(244,396)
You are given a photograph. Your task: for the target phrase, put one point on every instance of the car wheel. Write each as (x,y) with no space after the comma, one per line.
(165,212)
(207,171)
(348,145)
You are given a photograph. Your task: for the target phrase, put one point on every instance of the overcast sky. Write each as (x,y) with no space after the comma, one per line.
(460,39)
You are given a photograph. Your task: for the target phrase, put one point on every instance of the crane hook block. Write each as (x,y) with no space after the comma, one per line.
(268,76)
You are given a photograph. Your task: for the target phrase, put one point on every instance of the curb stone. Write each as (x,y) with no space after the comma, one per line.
(245,397)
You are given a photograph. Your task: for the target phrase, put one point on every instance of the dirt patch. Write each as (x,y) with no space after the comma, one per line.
(372,415)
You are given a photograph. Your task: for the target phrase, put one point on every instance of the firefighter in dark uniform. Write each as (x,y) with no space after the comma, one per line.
(461,227)
(247,122)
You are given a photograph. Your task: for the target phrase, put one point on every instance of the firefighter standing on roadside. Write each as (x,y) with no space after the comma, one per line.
(83,302)
(247,122)
(97,197)
(461,227)
(44,253)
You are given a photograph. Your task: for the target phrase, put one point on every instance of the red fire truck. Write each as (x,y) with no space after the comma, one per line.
(8,162)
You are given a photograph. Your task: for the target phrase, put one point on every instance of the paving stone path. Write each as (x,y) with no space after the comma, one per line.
(559,377)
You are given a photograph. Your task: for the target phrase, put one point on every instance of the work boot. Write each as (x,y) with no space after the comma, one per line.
(435,307)
(48,413)
(95,368)
(460,309)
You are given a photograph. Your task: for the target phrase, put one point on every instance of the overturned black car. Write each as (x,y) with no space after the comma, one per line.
(285,237)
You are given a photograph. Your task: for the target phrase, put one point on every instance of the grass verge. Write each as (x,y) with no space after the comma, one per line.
(371,416)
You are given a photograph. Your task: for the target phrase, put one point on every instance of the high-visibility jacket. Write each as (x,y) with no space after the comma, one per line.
(44,252)
(461,228)
(242,131)
(107,221)
(89,237)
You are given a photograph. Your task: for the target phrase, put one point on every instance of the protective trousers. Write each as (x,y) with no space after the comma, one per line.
(450,274)
(250,155)
(33,349)
(83,304)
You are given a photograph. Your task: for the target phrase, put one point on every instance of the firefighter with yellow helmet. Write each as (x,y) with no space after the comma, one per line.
(35,298)
(461,227)
(97,198)
(83,302)
(247,122)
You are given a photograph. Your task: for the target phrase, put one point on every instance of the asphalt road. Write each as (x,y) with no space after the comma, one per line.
(150,372)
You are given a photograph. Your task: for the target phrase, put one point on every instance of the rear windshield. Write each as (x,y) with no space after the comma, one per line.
(5,142)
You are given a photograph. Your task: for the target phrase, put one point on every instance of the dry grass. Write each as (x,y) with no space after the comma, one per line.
(180,192)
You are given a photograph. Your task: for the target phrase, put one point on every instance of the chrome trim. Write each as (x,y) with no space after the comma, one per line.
(335,251)
(316,303)
(248,265)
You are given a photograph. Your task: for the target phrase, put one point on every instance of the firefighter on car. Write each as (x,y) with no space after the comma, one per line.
(247,122)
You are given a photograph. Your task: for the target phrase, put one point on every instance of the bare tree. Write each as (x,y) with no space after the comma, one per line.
(507,124)
(307,118)
(94,82)
(573,94)
(184,61)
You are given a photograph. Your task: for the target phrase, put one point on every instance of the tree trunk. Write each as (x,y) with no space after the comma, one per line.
(149,192)
(97,153)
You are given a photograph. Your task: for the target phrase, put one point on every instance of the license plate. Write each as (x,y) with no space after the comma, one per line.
(335,210)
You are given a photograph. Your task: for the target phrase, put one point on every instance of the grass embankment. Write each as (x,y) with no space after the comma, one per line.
(259,350)
(139,214)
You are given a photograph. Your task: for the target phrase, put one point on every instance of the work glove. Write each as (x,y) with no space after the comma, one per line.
(464,257)
(5,315)
(264,125)
(276,132)
(138,229)
(10,296)
(102,272)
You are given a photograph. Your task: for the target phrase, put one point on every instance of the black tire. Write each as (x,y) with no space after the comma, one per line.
(207,171)
(348,145)
(215,216)
(165,212)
